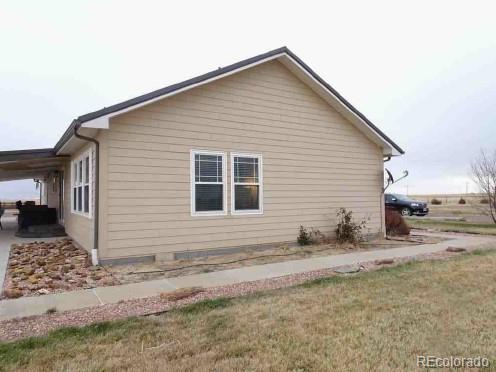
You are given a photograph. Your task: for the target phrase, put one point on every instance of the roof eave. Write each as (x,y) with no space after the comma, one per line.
(99,119)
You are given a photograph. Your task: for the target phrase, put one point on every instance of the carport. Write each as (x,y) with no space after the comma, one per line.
(44,166)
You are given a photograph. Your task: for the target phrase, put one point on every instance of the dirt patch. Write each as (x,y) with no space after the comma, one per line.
(40,268)
(157,270)
(182,293)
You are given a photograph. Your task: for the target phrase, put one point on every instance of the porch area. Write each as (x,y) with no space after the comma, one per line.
(41,218)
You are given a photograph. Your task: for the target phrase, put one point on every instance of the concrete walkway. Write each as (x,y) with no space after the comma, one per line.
(37,305)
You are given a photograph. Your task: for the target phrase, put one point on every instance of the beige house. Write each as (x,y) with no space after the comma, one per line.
(237,157)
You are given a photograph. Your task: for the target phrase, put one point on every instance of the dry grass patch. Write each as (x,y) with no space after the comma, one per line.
(377,320)
(454,226)
(182,293)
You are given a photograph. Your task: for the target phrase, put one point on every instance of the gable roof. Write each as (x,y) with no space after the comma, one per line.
(191,83)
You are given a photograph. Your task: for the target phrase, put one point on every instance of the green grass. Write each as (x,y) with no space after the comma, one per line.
(377,320)
(203,306)
(453,226)
(19,351)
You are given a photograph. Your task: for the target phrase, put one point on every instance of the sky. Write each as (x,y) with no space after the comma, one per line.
(424,72)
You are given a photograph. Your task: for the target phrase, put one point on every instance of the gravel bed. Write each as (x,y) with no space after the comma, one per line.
(42,324)
(40,268)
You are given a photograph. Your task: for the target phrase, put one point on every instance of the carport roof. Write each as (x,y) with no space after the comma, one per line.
(26,164)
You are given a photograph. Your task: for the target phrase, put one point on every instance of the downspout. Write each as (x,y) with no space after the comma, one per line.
(382,199)
(94,251)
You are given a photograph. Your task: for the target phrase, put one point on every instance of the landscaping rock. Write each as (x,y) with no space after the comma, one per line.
(182,293)
(455,249)
(54,276)
(28,270)
(348,269)
(33,279)
(12,293)
(386,261)
(39,268)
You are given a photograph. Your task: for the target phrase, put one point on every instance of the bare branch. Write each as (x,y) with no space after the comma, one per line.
(484,175)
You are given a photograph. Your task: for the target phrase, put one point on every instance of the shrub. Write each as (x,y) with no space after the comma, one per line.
(304,237)
(312,236)
(395,223)
(484,201)
(347,230)
(436,201)
(317,237)
(462,201)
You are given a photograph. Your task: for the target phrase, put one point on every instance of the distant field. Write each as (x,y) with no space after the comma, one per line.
(472,212)
(453,226)
(448,199)
(10,204)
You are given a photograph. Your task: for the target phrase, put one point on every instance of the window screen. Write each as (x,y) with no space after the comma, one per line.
(208,182)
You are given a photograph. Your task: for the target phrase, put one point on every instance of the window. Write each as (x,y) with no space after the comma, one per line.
(246,184)
(81,180)
(207,183)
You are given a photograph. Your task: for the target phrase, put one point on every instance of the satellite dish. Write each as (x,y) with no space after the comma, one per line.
(390,176)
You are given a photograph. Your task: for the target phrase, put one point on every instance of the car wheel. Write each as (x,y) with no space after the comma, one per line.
(406,212)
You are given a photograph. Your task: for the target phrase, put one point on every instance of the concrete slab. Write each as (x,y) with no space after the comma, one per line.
(36,305)
(80,299)
(114,294)
(206,280)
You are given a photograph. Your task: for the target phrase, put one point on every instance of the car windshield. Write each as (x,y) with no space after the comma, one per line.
(402,197)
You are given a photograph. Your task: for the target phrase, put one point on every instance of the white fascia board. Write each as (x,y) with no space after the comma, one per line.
(98,123)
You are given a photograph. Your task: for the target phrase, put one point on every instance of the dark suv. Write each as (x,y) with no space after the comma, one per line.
(405,205)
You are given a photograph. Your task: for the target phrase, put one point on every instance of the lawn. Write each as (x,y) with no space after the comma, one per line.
(379,320)
(453,226)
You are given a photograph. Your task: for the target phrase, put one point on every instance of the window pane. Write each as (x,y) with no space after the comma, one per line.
(214,158)
(80,171)
(208,198)
(80,199)
(246,197)
(74,174)
(86,199)
(245,170)
(74,198)
(197,168)
(87,169)
(208,168)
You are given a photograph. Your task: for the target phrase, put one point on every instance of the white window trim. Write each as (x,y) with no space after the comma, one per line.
(260,185)
(194,213)
(90,180)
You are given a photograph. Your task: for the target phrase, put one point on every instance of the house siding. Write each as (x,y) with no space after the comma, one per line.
(314,162)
